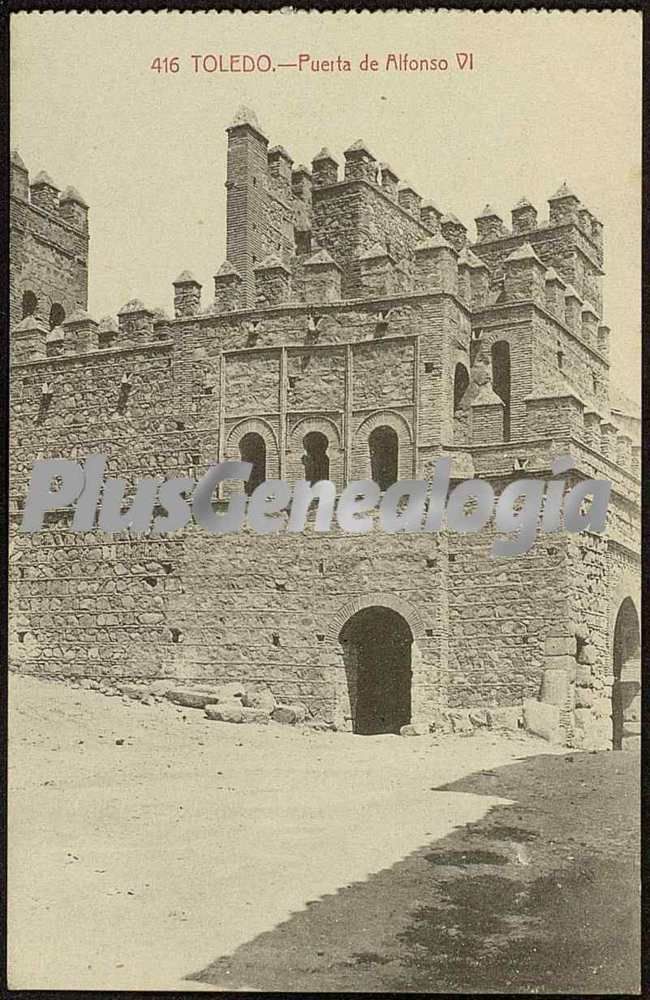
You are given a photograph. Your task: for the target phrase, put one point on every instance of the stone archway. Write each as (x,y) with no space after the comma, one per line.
(626,689)
(376,643)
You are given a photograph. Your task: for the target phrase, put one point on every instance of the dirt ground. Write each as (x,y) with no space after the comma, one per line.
(153,849)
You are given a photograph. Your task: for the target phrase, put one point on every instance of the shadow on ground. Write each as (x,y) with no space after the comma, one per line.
(539,896)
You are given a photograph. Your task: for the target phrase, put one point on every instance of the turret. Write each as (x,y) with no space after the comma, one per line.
(81,333)
(489,225)
(272,282)
(28,340)
(135,322)
(19,177)
(301,183)
(555,287)
(589,329)
(389,181)
(524,216)
(376,271)
(572,310)
(246,196)
(187,295)
(430,215)
(360,164)
(436,267)
(453,231)
(228,288)
(524,275)
(280,164)
(322,278)
(563,205)
(44,193)
(409,199)
(324,169)
(73,209)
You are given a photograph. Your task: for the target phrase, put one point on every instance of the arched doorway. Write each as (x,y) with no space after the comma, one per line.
(384,447)
(376,645)
(626,689)
(252,448)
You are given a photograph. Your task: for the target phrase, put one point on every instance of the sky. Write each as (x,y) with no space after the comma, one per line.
(552,96)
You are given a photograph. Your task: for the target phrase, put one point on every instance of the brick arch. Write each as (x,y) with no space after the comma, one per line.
(386,418)
(322,424)
(410,614)
(253,425)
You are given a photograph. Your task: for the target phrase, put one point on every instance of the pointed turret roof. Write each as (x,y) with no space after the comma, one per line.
(374,252)
(270,262)
(186,278)
(434,243)
(324,154)
(552,275)
(524,252)
(71,194)
(489,213)
(470,259)
(227,270)
(54,335)
(78,315)
(132,306)
(360,146)
(107,324)
(17,160)
(524,203)
(32,322)
(450,217)
(564,191)
(321,257)
(43,179)
(246,116)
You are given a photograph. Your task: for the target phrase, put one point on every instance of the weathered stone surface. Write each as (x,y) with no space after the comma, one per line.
(583,676)
(460,721)
(135,691)
(479,717)
(415,729)
(588,654)
(260,697)
(584,697)
(505,717)
(555,687)
(225,712)
(289,714)
(192,698)
(543,720)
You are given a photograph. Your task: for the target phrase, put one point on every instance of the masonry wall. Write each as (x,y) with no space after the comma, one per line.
(47,257)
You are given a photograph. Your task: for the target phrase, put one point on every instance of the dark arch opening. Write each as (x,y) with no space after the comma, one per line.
(252,448)
(377,655)
(501,380)
(626,689)
(461,382)
(384,452)
(30,304)
(57,315)
(316,460)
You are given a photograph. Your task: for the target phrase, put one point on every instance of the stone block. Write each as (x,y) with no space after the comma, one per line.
(225,712)
(559,645)
(504,717)
(289,715)
(543,720)
(192,697)
(161,686)
(583,676)
(583,717)
(415,729)
(588,654)
(460,721)
(555,686)
(135,691)
(602,708)
(260,697)
(584,697)
(632,743)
